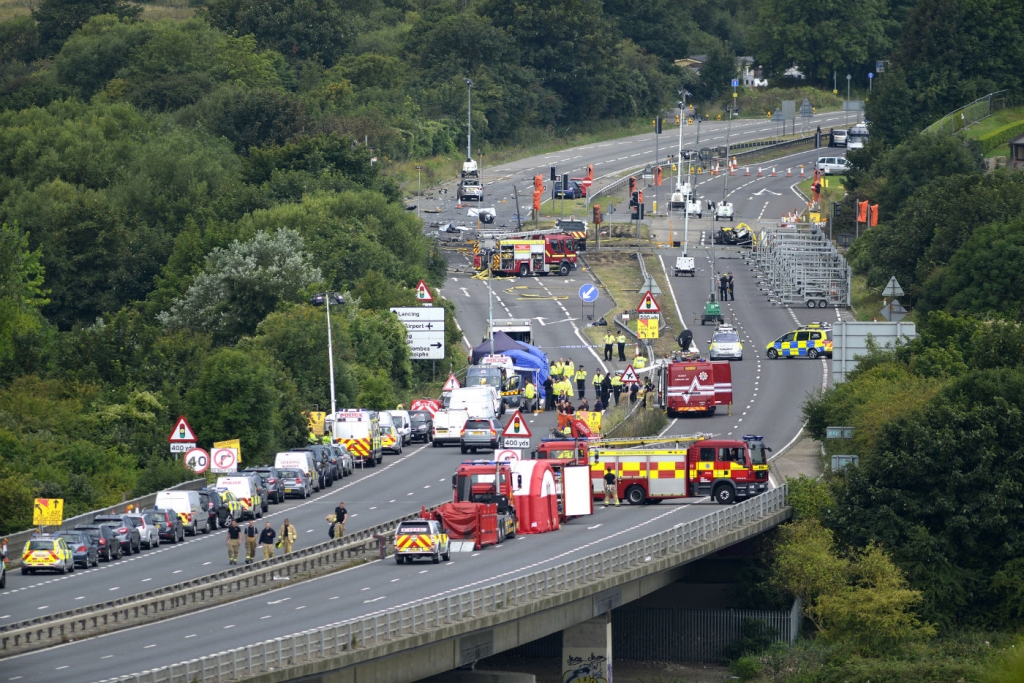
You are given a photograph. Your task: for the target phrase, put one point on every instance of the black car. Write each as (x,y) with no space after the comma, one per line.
(216,511)
(272,480)
(107,542)
(131,539)
(323,468)
(169,524)
(84,548)
(422,425)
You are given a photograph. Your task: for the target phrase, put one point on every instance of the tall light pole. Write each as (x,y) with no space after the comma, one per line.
(679,171)
(419,190)
(469,118)
(846,112)
(728,132)
(325,299)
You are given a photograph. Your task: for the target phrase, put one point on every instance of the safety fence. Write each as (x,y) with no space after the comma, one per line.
(316,645)
(969,114)
(195,594)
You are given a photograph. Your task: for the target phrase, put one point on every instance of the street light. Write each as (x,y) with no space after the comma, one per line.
(846,114)
(679,172)
(469,118)
(326,299)
(419,191)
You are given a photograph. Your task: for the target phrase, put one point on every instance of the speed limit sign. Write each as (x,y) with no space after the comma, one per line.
(197,460)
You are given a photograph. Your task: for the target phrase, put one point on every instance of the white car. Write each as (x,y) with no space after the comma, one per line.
(471,189)
(725,344)
(148,531)
(832,165)
(685,266)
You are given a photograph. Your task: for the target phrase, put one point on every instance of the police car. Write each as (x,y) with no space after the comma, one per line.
(808,341)
(47,552)
(725,344)
(421,538)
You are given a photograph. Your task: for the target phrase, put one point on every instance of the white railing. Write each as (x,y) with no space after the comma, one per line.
(335,639)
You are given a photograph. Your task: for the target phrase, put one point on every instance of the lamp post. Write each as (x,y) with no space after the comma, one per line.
(846,113)
(419,190)
(469,118)
(325,299)
(679,171)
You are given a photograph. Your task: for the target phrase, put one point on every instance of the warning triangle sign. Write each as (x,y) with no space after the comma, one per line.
(648,304)
(182,432)
(423,294)
(517,427)
(452,383)
(628,376)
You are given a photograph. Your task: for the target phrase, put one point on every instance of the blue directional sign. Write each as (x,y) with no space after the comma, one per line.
(870,76)
(735,82)
(588,293)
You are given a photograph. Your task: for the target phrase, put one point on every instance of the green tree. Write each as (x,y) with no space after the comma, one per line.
(21,288)
(19,40)
(301,30)
(891,108)
(58,19)
(806,565)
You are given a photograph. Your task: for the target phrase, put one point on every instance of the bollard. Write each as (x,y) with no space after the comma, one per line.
(789,172)
(801,170)
(382,544)
(773,172)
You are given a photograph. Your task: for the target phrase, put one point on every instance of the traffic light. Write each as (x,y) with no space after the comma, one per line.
(836,209)
(657,125)
(597,214)
(632,185)
(677,119)
(634,198)
(554,175)
(565,184)
(640,197)
(657,176)
(536,200)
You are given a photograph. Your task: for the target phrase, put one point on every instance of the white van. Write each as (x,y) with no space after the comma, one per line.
(299,460)
(478,401)
(188,508)
(403,424)
(448,426)
(243,489)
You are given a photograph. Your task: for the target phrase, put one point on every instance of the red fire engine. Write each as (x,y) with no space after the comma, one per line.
(696,386)
(525,253)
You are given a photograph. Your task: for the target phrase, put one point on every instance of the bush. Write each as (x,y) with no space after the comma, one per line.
(1000,136)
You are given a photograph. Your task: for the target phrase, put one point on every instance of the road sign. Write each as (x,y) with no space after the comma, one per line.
(647,328)
(588,293)
(423,294)
(424,329)
(230,443)
(735,82)
(224,460)
(650,285)
(182,432)
(894,312)
(48,512)
(182,447)
(880,67)
(628,376)
(870,76)
(197,460)
(838,432)
(648,304)
(451,384)
(806,110)
(893,288)
(508,455)
(517,433)
(314,421)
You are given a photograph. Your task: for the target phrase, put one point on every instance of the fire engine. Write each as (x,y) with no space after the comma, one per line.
(481,512)
(725,469)
(540,252)
(696,385)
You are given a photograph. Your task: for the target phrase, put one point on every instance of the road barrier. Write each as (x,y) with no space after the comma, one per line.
(351,640)
(192,595)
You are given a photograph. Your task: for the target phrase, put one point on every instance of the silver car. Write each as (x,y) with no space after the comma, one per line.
(832,165)
(345,460)
(149,532)
(471,189)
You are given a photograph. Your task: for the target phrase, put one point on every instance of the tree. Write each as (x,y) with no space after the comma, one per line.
(21,287)
(241,284)
(58,19)
(806,564)
(300,30)
(19,40)
(891,108)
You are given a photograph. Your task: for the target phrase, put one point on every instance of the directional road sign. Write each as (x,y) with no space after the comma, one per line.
(517,433)
(424,328)
(588,293)
(48,512)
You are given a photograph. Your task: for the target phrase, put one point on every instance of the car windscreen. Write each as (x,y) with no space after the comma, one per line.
(40,545)
(726,338)
(416,418)
(74,538)
(107,520)
(478,424)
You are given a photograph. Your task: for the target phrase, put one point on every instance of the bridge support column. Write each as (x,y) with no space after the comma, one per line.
(587,650)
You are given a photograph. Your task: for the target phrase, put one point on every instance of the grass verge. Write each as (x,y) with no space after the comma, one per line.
(640,423)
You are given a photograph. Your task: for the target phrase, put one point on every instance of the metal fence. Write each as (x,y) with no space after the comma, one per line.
(796,264)
(334,640)
(968,115)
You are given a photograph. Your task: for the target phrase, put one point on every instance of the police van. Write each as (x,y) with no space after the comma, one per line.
(359,431)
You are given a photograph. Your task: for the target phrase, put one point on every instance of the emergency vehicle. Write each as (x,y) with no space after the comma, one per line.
(689,386)
(47,552)
(245,491)
(482,512)
(421,538)
(540,253)
(575,227)
(807,341)
(359,431)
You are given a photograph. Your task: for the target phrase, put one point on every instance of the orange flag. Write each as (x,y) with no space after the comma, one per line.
(862,211)
(874,215)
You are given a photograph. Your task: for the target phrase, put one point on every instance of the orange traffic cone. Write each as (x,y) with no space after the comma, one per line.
(801,170)
(458,203)
(773,172)
(732,169)
(789,172)
(748,171)
(759,173)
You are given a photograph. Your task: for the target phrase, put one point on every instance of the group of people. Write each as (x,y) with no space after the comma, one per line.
(725,291)
(267,538)
(609,340)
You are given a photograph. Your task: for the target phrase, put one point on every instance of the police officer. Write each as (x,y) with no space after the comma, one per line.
(723,287)
(233,540)
(617,387)
(621,341)
(606,389)
(529,393)
(251,537)
(267,541)
(569,371)
(598,378)
(729,282)
(640,362)
(325,439)
(581,381)
(288,536)
(549,394)
(609,339)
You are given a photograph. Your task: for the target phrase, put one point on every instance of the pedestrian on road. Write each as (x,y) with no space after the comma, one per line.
(581,381)
(233,541)
(723,286)
(340,517)
(584,405)
(287,536)
(609,339)
(732,297)
(621,341)
(598,406)
(267,541)
(610,488)
(549,394)
(251,536)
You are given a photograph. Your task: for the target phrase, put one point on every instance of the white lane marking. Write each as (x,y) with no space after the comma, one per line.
(374,599)
(229,626)
(191,635)
(593,527)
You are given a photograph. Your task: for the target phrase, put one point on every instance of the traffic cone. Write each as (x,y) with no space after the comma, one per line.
(773,172)
(801,170)
(748,171)
(732,169)
(759,173)
(789,172)
(458,203)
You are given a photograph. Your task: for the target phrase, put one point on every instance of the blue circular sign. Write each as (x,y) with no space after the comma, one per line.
(588,293)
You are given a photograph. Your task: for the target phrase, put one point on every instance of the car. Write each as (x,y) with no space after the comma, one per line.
(84,548)
(837,138)
(296,483)
(832,165)
(572,191)
(390,439)
(471,189)
(168,524)
(422,425)
(260,487)
(725,344)
(107,542)
(345,460)
(322,461)
(480,432)
(272,480)
(808,341)
(402,424)
(3,575)
(149,533)
(127,534)
(47,553)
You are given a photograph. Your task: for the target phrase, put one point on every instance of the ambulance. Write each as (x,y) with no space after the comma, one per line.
(359,431)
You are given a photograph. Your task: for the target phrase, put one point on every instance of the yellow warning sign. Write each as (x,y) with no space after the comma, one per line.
(594,422)
(315,420)
(230,443)
(647,329)
(48,512)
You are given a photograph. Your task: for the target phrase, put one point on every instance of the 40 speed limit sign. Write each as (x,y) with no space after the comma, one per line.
(197,460)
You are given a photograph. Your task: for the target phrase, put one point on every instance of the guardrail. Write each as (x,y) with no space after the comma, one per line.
(17,540)
(345,637)
(188,596)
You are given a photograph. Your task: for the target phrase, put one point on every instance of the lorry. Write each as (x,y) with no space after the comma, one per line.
(727,470)
(519,329)
(481,512)
(696,385)
(540,254)
(685,266)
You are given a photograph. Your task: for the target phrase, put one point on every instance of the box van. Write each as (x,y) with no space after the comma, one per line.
(299,460)
(186,505)
(448,426)
(246,492)
(478,401)
(359,431)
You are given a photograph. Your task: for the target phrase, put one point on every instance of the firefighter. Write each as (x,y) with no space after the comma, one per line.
(251,537)
(617,387)
(529,393)
(621,341)
(233,540)
(267,541)
(287,536)
(581,381)
(610,487)
(340,517)
(609,339)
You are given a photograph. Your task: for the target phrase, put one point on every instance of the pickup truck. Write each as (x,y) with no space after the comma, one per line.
(723,211)
(471,189)
(685,266)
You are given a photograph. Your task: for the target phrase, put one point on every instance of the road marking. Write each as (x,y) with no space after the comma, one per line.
(593,527)
(374,599)
(266,617)
(149,646)
(43,607)
(191,635)
(301,607)
(115,588)
(426,570)
(62,667)
(229,626)
(335,597)
(277,602)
